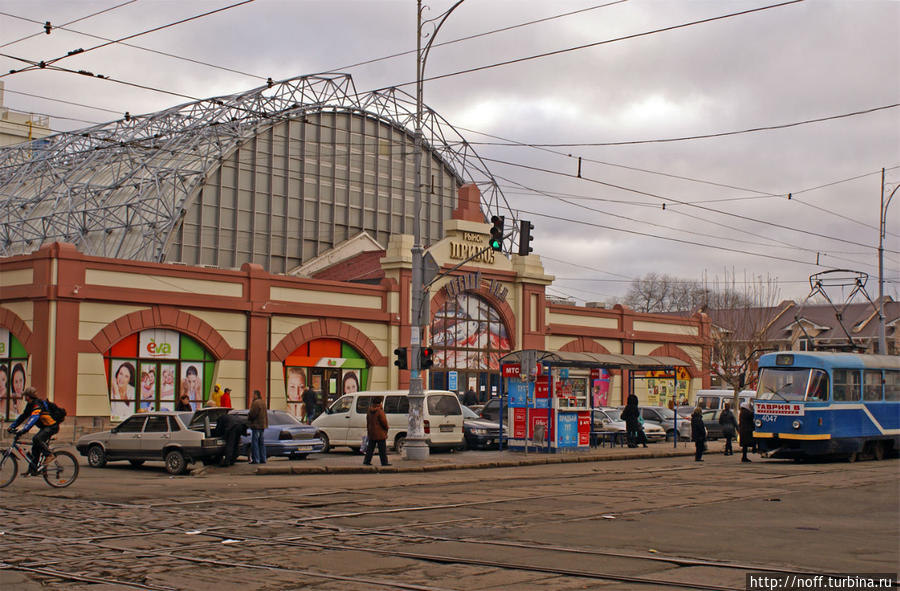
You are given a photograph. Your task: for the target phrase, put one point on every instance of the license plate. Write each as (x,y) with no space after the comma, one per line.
(446,428)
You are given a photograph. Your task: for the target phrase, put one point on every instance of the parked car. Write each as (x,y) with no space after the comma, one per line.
(610,420)
(711,421)
(480,433)
(665,418)
(155,436)
(285,436)
(344,422)
(491,410)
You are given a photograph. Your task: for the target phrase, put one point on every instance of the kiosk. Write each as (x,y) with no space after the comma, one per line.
(549,396)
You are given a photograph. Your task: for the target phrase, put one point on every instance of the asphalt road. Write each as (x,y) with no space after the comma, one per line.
(656,523)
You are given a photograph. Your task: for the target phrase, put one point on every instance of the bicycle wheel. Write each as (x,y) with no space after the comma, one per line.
(9,468)
(62,471)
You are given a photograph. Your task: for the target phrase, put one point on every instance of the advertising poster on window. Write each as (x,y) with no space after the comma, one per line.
(520,423)
(122,389)
(567,426)
(148,387)
(600,386)
(584,428)
(542,392)
(517,390)
(538,417)
(295,384)
(159,343)
(167,386)
(192,383)
(18,370)
(350,382)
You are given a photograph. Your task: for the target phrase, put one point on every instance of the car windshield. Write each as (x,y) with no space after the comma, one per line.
(614,415)
(468,413)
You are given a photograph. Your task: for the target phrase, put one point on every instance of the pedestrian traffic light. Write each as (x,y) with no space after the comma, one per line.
(426,357)
(525,228)
(497,232)
(400,362)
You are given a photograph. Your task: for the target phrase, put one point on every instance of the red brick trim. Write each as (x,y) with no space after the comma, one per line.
(330,328)
(163,317)
(584,345)
(669,350)
(15,325)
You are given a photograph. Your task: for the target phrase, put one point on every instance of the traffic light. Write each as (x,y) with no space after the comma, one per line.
(525,228)
(497,232)
(400,362)
(426,357)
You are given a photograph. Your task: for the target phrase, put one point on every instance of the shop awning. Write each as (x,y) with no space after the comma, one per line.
(587,360)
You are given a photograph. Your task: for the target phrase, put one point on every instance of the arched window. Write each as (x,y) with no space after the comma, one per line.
(13,375)
(469,337)
(145,370)
(330,368)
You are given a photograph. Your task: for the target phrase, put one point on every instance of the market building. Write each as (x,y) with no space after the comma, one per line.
(262,241)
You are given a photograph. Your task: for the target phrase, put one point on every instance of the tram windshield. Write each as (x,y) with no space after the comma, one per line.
(792,384)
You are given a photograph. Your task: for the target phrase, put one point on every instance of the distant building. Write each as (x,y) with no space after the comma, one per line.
(17,128)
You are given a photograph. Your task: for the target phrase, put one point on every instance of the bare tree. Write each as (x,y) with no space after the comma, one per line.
(740,323)
(655,293)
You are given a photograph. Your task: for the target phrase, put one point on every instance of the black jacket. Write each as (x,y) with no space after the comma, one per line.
(228,422)
(698,429)
(728,422)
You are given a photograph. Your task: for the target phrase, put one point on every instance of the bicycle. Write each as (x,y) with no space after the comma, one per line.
(59,472)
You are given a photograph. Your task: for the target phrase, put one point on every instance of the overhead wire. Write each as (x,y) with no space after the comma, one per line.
(99,12)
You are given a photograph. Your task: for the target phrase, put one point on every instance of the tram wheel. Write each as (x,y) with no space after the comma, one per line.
(878,452)
(853,457)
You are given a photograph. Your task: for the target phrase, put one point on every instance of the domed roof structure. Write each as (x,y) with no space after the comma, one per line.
(275,176)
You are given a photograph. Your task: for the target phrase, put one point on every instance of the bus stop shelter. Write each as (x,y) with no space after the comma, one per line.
(549,393)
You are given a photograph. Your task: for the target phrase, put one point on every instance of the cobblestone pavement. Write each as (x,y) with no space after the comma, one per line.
(655,519)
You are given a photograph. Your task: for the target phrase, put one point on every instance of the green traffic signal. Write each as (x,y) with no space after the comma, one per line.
(496,240)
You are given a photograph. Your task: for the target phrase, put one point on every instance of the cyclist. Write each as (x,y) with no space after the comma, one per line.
(36,412)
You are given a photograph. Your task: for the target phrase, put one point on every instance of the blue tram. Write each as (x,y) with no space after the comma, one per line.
(818,404)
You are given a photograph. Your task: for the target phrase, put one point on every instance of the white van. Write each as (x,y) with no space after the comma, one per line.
(716,399)
(344,422)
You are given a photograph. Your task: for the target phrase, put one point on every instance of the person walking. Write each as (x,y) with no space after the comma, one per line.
(257,420)
(631,415)
(746,430)
(698,433)
(729,426)
(376,430)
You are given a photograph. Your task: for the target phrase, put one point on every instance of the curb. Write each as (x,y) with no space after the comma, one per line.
(512,463)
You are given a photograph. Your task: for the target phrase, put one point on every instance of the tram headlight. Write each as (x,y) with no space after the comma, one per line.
(797,424)
(758,423)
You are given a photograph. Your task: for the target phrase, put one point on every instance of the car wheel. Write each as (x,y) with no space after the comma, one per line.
(175,462)
(96,457)
(136,463)
(400,444)
(326,445)
(670,435)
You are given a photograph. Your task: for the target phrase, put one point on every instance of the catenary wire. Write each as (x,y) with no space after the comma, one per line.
(99,12)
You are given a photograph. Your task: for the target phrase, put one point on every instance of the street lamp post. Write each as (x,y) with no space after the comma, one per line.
(416,446)
(882,223)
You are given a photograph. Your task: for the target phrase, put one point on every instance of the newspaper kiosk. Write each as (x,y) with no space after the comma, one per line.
(550,395)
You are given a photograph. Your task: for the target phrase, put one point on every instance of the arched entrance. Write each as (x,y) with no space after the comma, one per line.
(13,374)
(469,336)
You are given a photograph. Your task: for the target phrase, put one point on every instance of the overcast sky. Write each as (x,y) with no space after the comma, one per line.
(726,205)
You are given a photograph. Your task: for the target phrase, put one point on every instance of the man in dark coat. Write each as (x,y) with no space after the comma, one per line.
(470,397)
(376,431)
(230,427)
(698,433)
(746,429)
(729,425)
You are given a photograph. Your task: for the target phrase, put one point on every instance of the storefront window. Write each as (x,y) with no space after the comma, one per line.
(329,368)
(146,370)
(13,375)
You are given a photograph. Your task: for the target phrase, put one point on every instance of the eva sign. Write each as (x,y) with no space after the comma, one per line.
(4,343)
(158,343)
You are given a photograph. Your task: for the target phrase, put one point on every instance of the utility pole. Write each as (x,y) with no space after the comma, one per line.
(882,228)
(416,446)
